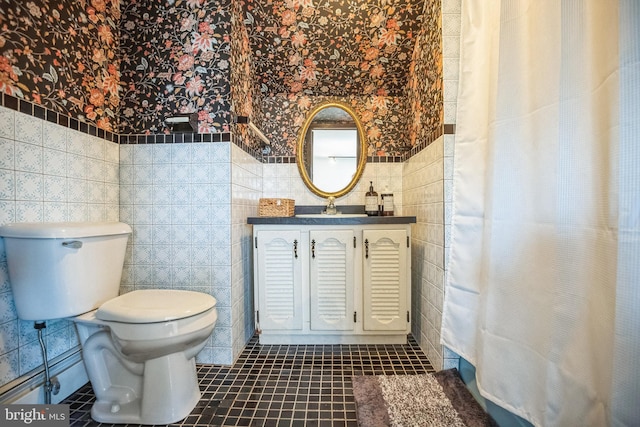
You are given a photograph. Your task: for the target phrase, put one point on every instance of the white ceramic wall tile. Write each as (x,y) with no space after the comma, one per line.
(220,173)
(28,157)
(451,24)
(162,252)
(143,174)
(111,195)
(54,162)
(220,193)
(76,166)
(76,190)
(143,154)
(54,136)
(111,173)
(76,142)
(143,194)
(8,336)
(424,197)
(95,169)
(221,152)
(143,235)
(28,129)
(7,153)
(78,211)
(96,148)
(55,212)
(162,173)
(206,214)
(30,357)
(125,154)
(34,187)
(55,188)
(9,367)
(161,194)
(29,186)
(181,153)
(180,213)
(201,153)
(111,152)
(7,123)
(58,341)
(162,153)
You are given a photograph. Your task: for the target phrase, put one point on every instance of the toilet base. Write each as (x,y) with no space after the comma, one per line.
(169,393)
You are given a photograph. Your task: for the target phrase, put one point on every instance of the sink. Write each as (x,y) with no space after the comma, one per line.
(339,215)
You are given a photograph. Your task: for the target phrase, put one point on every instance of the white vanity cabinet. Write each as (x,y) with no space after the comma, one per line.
(278,269)
(386,280)
(331,279)
(317,284)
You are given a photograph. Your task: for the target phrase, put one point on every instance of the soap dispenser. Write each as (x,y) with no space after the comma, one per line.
(371,201)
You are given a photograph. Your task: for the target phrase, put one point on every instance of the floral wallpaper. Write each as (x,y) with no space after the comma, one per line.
(332,47)
(63,55)
(424,91)
(126,66)
(175,59)
(361,52)
(384,119)
(245,99)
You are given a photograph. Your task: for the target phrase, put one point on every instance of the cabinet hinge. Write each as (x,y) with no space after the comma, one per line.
(258,316)
(355,317)
(408,243)
(354,241)
(255,239)
(408,317)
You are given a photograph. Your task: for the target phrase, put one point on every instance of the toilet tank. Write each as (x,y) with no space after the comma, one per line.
(63,269)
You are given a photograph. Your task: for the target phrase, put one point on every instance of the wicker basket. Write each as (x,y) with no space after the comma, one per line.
(276,207)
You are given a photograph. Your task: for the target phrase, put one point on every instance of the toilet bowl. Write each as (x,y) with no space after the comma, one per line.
(139,348)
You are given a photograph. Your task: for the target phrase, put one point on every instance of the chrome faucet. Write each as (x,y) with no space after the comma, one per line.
(331,206)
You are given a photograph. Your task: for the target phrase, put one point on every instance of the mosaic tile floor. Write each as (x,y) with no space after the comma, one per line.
(283,385)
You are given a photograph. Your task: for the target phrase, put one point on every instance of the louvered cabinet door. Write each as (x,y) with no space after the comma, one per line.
(331,268)
(280,280)
(385,280)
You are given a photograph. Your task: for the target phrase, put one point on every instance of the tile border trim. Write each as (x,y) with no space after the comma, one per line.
(35,110)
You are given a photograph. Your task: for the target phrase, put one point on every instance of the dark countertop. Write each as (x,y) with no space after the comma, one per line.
(332,220)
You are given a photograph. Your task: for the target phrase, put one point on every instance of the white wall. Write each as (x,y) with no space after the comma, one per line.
(423,183)
(246,190)
(187,204)
(283,181)
(47,173)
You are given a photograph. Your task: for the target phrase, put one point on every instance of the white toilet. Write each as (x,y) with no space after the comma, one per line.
(139,348)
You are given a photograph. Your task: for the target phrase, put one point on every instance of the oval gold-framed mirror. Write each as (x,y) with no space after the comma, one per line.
(331,151)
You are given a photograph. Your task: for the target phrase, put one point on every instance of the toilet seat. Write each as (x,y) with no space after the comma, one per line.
(154,305)
(154,314)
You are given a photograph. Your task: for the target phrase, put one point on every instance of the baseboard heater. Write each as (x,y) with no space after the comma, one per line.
(29,388)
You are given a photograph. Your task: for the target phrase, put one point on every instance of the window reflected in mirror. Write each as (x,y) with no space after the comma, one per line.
(334,158)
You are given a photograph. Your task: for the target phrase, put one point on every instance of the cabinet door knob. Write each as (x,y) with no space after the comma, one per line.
(313,248)
(295,248)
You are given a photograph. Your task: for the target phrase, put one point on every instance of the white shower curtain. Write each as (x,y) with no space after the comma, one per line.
(543,284)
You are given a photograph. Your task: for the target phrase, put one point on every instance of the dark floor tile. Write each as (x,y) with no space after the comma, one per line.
(282,385)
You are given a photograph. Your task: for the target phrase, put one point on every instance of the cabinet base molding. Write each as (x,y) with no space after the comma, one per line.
(288,338)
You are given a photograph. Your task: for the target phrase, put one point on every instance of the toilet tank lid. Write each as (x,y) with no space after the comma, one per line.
(155,305)
(62,230)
